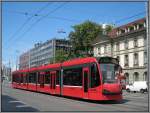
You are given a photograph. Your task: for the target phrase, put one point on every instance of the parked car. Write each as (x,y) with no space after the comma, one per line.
(137,86)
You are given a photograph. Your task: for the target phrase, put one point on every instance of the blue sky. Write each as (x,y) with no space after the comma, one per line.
(68,14)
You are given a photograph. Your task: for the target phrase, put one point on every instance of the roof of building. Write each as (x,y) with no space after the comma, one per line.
(101,38)
(113,33)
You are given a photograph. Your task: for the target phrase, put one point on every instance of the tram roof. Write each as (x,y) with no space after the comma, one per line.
(79,61)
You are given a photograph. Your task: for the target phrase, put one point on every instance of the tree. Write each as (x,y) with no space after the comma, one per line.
(61,55)
(108,28)
(51,60)
(82,37)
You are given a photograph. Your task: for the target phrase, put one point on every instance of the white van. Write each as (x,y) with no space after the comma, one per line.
(137,86)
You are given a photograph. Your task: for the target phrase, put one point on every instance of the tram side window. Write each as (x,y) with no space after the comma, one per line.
(21,78)
(17,78)
(47,77)
(95,77)
(32,77)
(72,76)
(13,78)
(24,79)
(40,78)
(57,77)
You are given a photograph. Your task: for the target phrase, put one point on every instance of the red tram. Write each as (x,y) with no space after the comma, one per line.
(88,78)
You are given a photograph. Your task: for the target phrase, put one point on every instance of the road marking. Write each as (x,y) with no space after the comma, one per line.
(13,101)
(24,105)
(135,97)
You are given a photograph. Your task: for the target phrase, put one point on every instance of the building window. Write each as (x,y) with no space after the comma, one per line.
(127,78)
(131,28)
(99,50)
(136,76)
(145,57)
(135,59)
(118,58)
(126,61)
(145,42)
(135,43)
(105,49)
(126,44)
(141,26)
(117,46)
(145,78)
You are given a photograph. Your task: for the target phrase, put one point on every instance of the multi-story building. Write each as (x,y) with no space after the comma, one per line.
(24,60)
(44,53)
(128,44)
(6,72)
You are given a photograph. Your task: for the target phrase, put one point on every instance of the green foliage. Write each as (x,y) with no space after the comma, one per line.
(61,55)
(82,37)
(51,60)
(108,28)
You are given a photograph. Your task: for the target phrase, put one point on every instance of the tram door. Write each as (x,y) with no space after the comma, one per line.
(41,77)
(53,81)
(85,82)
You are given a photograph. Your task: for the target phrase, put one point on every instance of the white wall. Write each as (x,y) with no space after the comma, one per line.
(130,59)
(131,44)
(95,51)
(121,46)
(122,61)
(141,58)
(140,42)
(102,49)
(114,47)
(109,49)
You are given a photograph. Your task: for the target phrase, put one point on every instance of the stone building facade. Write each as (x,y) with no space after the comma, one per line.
(128,44)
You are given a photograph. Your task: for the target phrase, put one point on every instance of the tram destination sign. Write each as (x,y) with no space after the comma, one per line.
(108,60)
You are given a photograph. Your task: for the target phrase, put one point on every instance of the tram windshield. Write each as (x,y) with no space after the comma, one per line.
(110,69)
(109,72)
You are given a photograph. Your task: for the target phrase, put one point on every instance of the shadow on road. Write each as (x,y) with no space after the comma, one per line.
(99,102)
(10,104)
(84,100)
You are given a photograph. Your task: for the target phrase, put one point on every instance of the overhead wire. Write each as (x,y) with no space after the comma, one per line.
(48,17)
(26,22)
(62,18)
(126,18)
(38,20)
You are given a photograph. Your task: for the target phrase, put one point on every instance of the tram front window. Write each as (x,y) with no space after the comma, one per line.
(109,72)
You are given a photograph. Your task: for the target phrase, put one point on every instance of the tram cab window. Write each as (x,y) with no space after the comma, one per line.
(32,77)
(95,77)
(47,77)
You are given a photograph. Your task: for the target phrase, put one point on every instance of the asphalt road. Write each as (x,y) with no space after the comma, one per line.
(21,100)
